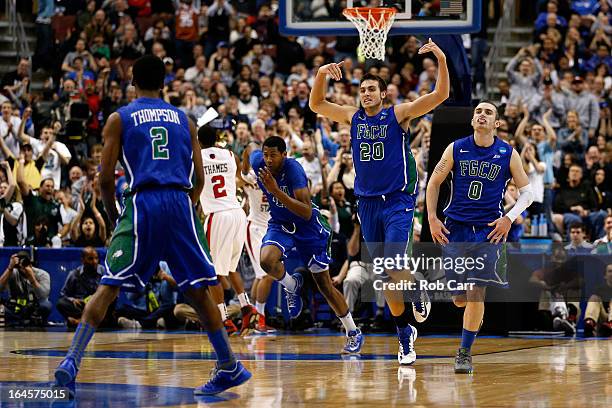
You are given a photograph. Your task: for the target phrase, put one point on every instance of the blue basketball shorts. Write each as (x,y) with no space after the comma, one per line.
(386,223)
(158,225)
(474,258)
(311,240)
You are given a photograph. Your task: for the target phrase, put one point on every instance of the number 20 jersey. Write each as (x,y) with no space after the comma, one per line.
(479,179)
(156,145)
(381,154)
(219,193)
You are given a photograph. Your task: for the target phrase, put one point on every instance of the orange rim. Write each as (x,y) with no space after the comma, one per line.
(384,12)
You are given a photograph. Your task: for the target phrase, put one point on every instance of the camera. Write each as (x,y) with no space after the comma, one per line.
(24,261)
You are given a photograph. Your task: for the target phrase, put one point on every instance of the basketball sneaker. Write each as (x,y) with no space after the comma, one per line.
(249,320)
(463,361)
(222,379)
(65,375)
(261,327)
(354,341)
(294,300)
(406,354)
(421,307)
(589,327)
(230,327)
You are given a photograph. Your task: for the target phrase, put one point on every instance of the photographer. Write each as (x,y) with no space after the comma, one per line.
(28,287)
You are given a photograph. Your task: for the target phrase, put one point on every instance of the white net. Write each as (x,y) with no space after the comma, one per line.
(373,25)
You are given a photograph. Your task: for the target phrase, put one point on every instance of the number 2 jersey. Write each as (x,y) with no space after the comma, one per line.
(156,145)
(479,179)
(219,193)
(381,154)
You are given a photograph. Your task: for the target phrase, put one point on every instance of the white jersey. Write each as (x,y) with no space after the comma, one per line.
(259,209)
(219,193)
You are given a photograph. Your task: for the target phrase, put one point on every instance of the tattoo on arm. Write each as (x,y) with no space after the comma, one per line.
(441,166)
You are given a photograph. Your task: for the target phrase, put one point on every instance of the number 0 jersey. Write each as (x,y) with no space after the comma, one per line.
(156,144)
(219,193)
(479,179)
(381,152)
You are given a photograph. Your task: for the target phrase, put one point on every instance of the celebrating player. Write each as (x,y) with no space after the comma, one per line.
(159,150)
(225,224)
(259,215)
(296,224)
(386,175)
(481,166)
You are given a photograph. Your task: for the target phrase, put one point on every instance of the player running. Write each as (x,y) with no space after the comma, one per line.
(386,176)
(295,223)
(481,166)
(158,148)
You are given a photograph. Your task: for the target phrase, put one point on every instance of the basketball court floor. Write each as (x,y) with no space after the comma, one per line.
(160,369)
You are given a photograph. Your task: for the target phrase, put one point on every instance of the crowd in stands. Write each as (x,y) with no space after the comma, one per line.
(555,110)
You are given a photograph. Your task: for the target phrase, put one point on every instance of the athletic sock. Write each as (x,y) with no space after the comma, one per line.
(261,308)
(467,339)
(244,299)
(401,321)
(223,310)
(347,322)
(220,342)
(82,336)
(288,282)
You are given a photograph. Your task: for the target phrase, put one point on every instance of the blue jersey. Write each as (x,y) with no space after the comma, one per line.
(381,153)
(292,177)
(479,179)
(156,144)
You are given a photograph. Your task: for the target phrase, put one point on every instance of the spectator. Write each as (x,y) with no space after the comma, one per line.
(67,213)
(41,205)
(248,104)
(535,170)
(186,32)
(604,242)
(577,244)
(219,14)
(312,166)
(576,203)
(524,84)
(13,229)
(154,307)
(585,104)
(593,161)
(80,285)
(88,230)
(128,47)
(602,188)
(598,316)
(29,288)
(195,73)
(15,79)
(573,138)
(80,50)
(9,130)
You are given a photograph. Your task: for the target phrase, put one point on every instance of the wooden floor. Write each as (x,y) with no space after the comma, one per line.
(128,369)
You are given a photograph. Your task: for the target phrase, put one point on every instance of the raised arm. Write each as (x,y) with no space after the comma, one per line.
(317,102)
(427,103)
(21,134)
(444,166)
(520,129)
(110,155)
(98,216)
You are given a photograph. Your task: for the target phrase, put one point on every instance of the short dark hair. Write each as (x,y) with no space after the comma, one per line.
(207,135)
(276,141)
(149,73)
(576,225)
(494,105)
(371,77)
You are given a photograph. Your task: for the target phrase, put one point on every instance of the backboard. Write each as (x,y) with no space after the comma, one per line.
(314,17)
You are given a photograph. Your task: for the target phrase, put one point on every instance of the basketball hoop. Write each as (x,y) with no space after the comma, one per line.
(373,25)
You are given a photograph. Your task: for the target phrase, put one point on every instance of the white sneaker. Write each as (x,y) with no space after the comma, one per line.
(406,354)
(161,323)
(126,323)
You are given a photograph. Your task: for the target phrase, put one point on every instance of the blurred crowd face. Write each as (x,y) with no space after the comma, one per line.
(526,67)
(537,133)
(7,111)
(575,174)
(338,192)
(572,120)
(46,189)
(88,227)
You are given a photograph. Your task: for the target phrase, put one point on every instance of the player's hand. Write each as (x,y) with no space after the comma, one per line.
(268,180)
(432,47)
(500,232)
(334,70)
(438,231)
